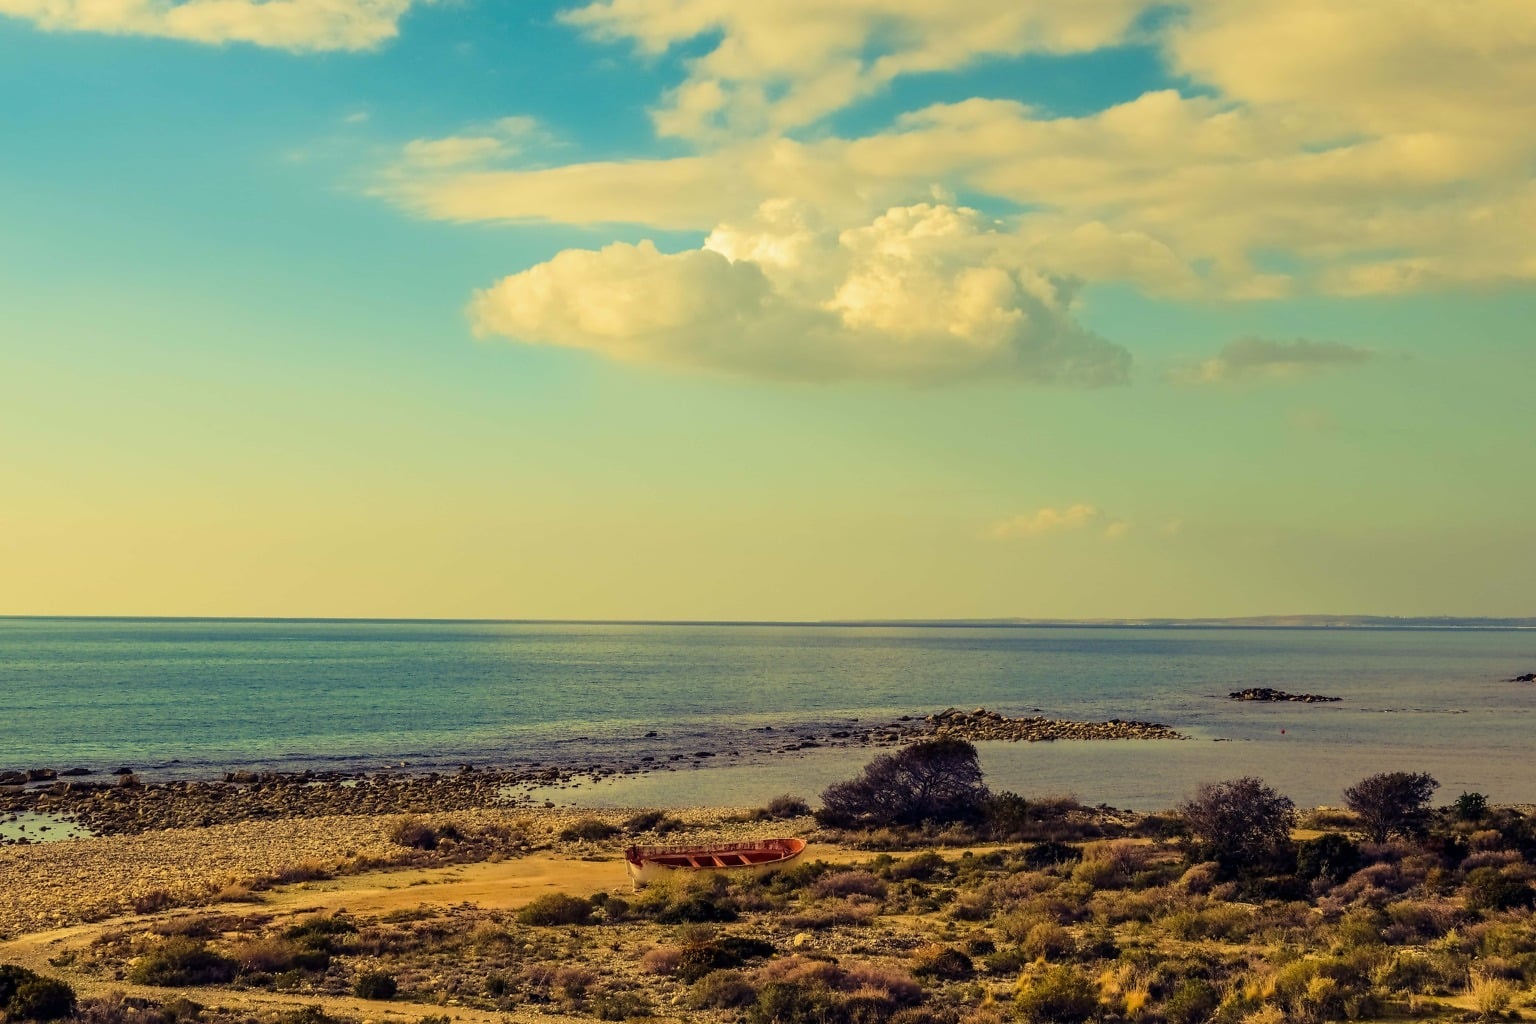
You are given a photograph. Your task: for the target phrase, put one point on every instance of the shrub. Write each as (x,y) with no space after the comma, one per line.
(1241,822)
(722,990)
(785,806)
(556,908)
(274,956)
(1006,815)
(415,833)
(787,1002)
(180,962)
(649,821)
(1331,857)
(1050,853)
(1048,941)
(698,959)
(1392,803)
(1490,889)
(1062,995)
(1191,1003)
(620,1006)
(944,963)
(850,883)
(923,867)
(1470,807)
(375,985)
(937,780)
(26,995)
(590,830)
(11,977)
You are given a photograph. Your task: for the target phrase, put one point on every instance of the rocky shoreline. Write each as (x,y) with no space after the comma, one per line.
(1269,695)
(126,806)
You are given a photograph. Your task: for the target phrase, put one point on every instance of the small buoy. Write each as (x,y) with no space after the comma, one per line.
(1282,732)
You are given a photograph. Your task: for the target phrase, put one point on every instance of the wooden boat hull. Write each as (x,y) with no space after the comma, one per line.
(648,864)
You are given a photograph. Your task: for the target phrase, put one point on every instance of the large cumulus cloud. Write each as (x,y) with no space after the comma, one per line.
(929,292)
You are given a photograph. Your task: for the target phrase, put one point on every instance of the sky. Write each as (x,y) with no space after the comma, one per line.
(698,309)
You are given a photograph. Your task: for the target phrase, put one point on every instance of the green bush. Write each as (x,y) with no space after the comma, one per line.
(923,867)
(937,781)
(787,1002)
(722,990)
(556,908)
(1489,889)
(1331,857)
(1191,1003)
(1062,995)
(181,962)
(26,995)
(944,964)
(699,959)
(375,985)
(415,833)
(620,1006)
(1049,854)
(11,977)
(651,821)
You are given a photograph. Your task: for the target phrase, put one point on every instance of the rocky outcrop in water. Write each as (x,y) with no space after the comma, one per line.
(1267,694)
(982,724)
(1529,677)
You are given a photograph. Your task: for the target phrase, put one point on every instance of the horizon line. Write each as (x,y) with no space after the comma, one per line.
(1298,621)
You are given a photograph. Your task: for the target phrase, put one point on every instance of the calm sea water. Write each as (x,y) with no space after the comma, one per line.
(196,697)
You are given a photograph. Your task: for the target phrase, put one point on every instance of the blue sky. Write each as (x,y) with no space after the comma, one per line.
(1148,311)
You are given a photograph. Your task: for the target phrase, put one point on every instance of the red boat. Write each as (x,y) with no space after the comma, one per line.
(757,857)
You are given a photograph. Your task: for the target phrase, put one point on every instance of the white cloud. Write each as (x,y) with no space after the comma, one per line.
(300,25)
(1375,147)
(1050,520)
(1264,358)
(921,293)
(775,66)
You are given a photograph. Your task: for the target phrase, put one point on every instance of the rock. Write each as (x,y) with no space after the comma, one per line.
(1270,695)
(125,770)
(1529,677)
(41,774)
(74,773)
(801,940)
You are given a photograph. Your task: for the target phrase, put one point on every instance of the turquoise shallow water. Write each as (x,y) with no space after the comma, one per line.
(196,697)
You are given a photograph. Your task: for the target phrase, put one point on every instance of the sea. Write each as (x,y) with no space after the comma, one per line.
(708,710)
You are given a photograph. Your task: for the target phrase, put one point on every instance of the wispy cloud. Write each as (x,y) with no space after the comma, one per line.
(1058,520)
(1264,358)
(299,25)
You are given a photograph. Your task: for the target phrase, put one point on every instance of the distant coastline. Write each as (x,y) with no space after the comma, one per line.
(1233,622)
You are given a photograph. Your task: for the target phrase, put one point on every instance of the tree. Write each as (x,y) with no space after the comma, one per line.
(937,780)
(1391,803)
(1241,822)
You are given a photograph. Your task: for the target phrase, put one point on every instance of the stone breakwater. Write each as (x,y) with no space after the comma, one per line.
(1266,694)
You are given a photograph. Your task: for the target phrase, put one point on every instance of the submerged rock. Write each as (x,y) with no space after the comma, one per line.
(1529,677)
(1268,694)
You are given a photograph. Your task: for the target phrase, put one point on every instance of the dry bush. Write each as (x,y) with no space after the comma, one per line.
(1201,878)
(266,956)
(302,871)
(661,959)
(971,906)
(1048,941)
(849,883)
(1490,995)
